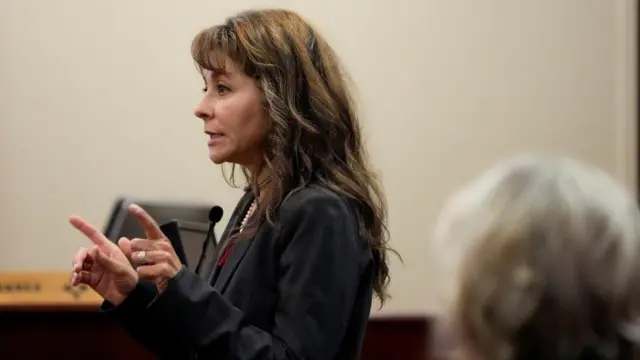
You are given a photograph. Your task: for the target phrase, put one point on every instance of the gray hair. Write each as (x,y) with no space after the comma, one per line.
(541,226)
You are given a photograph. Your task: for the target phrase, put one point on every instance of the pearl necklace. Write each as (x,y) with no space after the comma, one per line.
(247,216)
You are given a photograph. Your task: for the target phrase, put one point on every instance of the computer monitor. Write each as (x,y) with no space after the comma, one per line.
(191,223)
(187,239)
(122,223)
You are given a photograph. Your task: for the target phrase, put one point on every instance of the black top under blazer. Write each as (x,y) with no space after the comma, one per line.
(301,289)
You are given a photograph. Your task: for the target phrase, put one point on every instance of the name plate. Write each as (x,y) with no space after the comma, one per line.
(44,288)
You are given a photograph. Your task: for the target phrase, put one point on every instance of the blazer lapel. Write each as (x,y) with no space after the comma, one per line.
(232,262)
(238,213)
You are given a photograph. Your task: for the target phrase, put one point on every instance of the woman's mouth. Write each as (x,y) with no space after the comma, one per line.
(214,138)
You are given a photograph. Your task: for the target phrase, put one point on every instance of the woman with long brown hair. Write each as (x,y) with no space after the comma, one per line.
(306,247)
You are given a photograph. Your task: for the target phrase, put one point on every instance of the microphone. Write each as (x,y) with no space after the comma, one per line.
(215,214)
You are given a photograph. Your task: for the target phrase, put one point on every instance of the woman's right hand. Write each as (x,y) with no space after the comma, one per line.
(105,267)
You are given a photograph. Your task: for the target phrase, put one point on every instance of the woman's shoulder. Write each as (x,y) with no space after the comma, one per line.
(315,200)
(317,213)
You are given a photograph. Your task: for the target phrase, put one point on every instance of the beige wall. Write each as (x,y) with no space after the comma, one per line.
(96,99)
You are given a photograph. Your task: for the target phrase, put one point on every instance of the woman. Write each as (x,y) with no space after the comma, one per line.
(550,254)
(306,246)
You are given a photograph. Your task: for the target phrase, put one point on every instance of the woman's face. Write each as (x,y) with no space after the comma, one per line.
(234,119)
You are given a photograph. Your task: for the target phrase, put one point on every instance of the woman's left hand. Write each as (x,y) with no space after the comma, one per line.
(154,256)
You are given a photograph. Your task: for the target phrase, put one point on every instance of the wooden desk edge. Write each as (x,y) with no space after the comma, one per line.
(49,308)
(43,291)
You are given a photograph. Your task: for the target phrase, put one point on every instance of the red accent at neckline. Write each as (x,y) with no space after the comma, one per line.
(223,260)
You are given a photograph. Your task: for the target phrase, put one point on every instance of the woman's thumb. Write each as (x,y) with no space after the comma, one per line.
(125,246)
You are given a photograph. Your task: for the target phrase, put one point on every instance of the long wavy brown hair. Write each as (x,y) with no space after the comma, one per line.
(314,133)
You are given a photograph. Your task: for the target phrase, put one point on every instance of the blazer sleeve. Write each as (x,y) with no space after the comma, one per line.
(318,283)
(133,316)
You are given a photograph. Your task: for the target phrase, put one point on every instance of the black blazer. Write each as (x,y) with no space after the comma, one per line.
(301,289)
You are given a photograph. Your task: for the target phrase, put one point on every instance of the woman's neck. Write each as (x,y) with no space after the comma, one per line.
(262,180)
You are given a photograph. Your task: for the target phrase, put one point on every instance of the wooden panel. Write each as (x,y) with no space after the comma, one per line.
(403,337)
(43,289)
(64,333)
(86,334)
(42,317)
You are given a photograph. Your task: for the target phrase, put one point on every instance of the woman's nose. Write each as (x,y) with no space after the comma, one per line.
(204,110)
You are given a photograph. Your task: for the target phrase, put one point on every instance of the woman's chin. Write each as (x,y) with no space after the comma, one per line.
(217,158)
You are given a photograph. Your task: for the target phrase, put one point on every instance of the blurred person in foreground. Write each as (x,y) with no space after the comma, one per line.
(547,258)
(306,247)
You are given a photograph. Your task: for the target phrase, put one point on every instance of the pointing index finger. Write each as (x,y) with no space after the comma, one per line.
(149,225)
(88,230)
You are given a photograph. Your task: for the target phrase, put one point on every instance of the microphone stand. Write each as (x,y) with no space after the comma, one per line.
(215,214)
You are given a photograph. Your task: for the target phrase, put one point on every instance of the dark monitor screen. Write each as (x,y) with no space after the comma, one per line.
(187,239)
(122,223)
(191,222)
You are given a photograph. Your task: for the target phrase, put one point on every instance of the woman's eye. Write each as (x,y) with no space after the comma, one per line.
(205,89)
(221,89)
